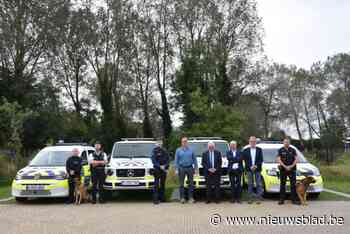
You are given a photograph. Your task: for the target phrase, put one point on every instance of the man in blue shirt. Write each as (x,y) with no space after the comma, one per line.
(185,165)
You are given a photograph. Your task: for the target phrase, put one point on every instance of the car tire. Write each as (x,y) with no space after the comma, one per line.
(21,199)
(314,195)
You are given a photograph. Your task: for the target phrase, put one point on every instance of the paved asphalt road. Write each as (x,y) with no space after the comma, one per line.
(143,217)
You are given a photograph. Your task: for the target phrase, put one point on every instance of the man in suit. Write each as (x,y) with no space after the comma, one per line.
(211,162)
(235,170)
(253,159)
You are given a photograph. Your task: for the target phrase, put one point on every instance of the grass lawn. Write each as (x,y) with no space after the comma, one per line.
(5,188)
(337,175)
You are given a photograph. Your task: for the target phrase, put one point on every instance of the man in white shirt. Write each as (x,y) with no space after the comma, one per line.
(253,158)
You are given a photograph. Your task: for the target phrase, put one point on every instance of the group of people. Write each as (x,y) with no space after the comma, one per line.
(97,162)
(249,160)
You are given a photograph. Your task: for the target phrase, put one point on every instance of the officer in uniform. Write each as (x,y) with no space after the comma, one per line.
(287,159)
(160,160)
(73,168)
(98,161)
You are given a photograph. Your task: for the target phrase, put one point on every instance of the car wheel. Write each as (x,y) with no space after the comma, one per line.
(314,195)
(20,199)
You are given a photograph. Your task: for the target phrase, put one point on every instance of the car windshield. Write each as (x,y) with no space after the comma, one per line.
(133,150)
(270,155)
(200,147)
(50,158)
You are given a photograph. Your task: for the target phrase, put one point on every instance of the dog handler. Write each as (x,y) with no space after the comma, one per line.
(73,168)
(98,161)
(287,159)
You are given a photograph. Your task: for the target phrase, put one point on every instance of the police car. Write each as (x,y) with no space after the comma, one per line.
(45,175)
(199,145)
(270,172)
(130,165)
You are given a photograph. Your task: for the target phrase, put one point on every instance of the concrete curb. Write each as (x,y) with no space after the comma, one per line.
(7,199)
(337,193)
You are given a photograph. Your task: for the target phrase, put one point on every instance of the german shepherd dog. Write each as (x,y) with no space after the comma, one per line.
(301,188)
(80,192)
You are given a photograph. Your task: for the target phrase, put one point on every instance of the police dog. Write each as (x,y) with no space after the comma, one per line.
(302,186)
(80,192)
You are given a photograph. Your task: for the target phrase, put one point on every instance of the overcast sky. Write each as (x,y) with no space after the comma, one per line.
(301,32)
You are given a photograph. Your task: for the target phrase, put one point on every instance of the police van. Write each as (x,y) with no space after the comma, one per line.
(130,165)
(270,173)
(45,175)
(199,145)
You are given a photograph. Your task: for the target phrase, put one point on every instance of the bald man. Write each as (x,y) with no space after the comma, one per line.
(73,168)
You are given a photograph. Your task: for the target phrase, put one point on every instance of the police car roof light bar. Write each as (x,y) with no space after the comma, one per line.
(71,144)
(269,142)
(205,138)
(139,139)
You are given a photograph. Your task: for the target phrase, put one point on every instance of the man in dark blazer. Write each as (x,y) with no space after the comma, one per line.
(253,159)
(235,170)
(211,162)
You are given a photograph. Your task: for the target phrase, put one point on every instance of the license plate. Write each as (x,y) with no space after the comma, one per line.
(129,183)
(35,187)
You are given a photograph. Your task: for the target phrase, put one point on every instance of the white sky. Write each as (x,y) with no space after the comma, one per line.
(302,32)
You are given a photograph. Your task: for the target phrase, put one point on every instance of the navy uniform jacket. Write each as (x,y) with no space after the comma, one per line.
(160,157)
(207,165)
(248,159)
(231,160)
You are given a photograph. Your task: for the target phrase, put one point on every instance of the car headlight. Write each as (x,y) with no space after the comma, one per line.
(317,172)
(61,177)
(271,172)
(18,177)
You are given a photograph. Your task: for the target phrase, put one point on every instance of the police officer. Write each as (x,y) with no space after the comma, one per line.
(73,168)
(160,160)
(287,159)
(98,161)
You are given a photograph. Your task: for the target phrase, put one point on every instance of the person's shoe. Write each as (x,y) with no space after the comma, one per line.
(296,202)
(239,201)
(93,202)
(207,202)
(281,202)
(191,201)
(233,201)
(258,202)
(182,201)
(250,201)
(217,202)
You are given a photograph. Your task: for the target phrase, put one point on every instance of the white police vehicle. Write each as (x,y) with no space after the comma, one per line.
(45,175)
(130,165)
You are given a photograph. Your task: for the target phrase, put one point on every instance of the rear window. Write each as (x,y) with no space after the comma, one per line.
(133,150)
(200,147)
